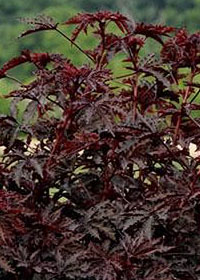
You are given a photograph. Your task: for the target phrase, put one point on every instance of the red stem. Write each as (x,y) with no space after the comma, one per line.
(135,95)
(182,107)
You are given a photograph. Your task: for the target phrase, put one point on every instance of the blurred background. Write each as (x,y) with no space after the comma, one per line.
(177,13)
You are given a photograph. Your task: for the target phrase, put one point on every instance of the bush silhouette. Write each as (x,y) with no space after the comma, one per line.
(97,180)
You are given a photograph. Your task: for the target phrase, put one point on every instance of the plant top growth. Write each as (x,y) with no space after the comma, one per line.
(96,178)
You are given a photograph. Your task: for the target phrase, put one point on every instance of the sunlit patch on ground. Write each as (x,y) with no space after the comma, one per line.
(194,152)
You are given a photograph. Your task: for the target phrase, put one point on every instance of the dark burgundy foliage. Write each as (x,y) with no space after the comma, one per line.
(96,180)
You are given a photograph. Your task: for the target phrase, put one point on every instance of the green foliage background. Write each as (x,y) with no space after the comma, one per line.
(173,12)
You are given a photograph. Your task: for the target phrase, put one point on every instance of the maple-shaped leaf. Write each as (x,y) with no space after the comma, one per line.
(84,20)
(39,59)
(154,31)
(182,49)
(11,64)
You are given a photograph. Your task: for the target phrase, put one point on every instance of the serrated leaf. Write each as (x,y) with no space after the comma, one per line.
(39,23)
(94,232)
